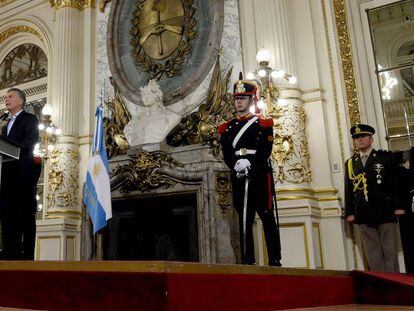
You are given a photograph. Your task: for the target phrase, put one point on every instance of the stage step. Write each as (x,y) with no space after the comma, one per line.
(129,285)
(115,285)
(384,288)
(356,307)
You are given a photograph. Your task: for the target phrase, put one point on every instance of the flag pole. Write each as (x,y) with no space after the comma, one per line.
(96,254)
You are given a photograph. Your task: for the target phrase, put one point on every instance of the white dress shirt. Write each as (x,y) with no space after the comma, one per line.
(11,122)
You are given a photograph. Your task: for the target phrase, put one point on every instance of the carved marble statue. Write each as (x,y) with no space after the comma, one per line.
(155,123)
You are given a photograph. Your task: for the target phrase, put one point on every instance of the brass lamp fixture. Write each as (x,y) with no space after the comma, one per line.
(270,80)
(48,133)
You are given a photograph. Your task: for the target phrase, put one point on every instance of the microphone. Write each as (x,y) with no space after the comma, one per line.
(4,116)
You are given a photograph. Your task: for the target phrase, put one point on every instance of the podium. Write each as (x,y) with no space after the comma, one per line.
(9,151)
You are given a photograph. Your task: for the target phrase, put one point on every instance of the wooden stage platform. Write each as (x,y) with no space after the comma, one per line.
(161,285)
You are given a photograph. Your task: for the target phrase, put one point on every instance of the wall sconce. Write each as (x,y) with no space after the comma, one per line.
(269,80)
(48,133)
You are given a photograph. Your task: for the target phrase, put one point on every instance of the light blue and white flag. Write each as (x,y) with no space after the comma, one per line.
(97,186)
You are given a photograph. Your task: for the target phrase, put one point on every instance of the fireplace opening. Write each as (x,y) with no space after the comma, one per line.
(153,228)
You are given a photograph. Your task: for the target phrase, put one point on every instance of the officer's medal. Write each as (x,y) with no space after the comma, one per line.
(378,167)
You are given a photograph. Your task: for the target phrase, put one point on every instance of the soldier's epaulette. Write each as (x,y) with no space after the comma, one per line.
(265,121)
(382,151)
(222,127)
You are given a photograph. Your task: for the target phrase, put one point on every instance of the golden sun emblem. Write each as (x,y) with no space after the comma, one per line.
(96,169)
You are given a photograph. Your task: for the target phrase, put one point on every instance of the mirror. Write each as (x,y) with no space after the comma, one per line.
(392,34)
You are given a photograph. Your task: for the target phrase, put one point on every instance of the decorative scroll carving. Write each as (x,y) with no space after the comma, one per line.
(75,4)
(63,179)
(201,126)
(290,149)
(223,189)
(4,35)
(102,5)
(347,61)
(162,41)
(115,140)
(25,63)
(140,174)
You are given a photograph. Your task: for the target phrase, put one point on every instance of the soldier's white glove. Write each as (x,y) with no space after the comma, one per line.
(241,165)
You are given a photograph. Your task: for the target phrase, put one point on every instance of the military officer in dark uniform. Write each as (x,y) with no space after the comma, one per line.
(247,142)
(370,185)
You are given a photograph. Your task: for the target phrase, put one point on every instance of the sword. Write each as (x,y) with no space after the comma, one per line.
(246,193)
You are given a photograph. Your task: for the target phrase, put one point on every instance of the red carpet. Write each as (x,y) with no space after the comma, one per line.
(384,288)
(167,286)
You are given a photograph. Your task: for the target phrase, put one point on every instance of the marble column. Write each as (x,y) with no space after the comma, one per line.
(58,233)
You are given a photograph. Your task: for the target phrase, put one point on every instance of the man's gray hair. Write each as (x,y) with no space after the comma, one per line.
(20,94)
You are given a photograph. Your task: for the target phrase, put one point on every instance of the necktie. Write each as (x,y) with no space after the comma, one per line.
(364,159)
(10,123)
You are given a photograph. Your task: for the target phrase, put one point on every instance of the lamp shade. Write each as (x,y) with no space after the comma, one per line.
(263,55)
(47,110)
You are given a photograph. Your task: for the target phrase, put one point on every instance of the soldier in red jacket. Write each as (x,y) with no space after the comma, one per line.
(247,141)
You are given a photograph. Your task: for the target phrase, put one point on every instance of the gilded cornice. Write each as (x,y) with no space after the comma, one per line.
(347,61)
(5,2)
(75,4)
(7,33)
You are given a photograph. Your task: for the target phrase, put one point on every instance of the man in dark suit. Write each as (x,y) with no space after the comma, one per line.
(18,182)
(370,200)
(405,172)
(247,142)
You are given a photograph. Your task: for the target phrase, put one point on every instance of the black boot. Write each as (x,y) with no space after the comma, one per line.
(274,263)
(248,261)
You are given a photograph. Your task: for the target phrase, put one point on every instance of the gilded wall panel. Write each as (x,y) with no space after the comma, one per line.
(348,71)
(63,176)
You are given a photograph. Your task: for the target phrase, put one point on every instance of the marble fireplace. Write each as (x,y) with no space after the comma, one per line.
(171,204)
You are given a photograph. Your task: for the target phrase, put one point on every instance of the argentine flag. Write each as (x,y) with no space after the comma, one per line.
(97,186)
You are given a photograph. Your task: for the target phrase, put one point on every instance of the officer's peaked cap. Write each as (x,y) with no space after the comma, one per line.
(361,130)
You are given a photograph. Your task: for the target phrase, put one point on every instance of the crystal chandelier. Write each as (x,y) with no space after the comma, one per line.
(269,80)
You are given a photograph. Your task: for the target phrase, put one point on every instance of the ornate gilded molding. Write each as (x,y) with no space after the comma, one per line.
(63,175)
(5,2)
(141,172)
(115,140)
(7,33)
(166,54)
(75,4)
(290,148)
(223,189)
(102,5)
(332,73)
(347,61)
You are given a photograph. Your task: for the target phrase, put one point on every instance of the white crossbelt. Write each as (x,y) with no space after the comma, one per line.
(244,151)
(243,129)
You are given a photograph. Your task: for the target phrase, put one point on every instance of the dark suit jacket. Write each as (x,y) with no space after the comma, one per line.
(19,178)
(380,173)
